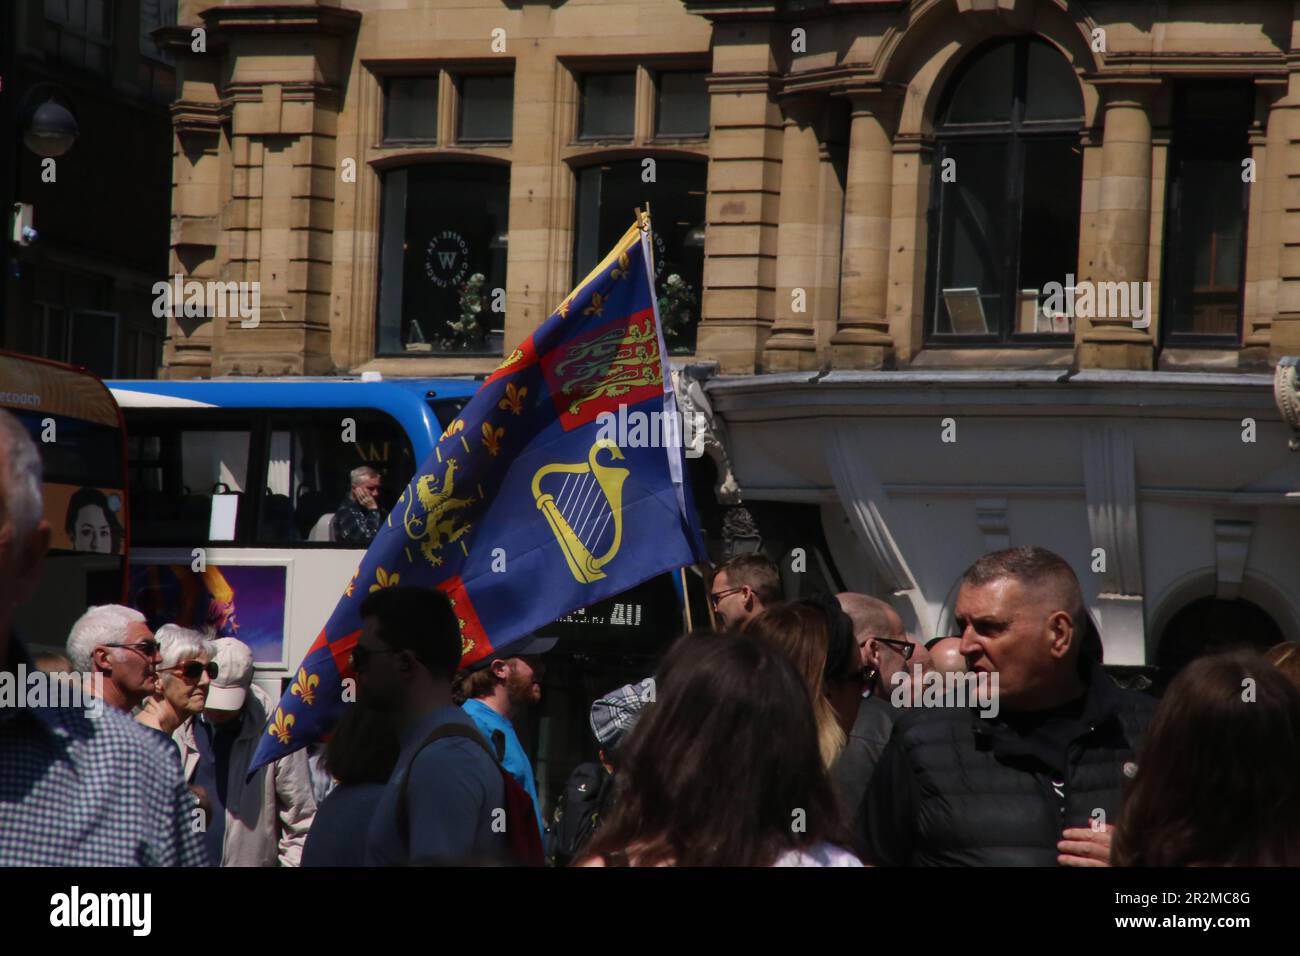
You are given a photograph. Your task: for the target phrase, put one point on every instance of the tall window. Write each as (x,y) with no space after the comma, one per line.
(607,195)
(80,32)
(1205,242)
(442,271)
(1004,221)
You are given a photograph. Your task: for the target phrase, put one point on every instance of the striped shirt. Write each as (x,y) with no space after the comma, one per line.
(77,790)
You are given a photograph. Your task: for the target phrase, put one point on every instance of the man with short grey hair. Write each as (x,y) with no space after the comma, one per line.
(77,787)
(358,518)
(116,642)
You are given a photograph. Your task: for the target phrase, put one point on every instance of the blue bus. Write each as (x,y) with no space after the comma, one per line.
(233,484)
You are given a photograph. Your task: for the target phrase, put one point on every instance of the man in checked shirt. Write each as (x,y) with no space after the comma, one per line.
(78,786)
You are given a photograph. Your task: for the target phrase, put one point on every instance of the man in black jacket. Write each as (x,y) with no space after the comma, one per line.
(1039,783)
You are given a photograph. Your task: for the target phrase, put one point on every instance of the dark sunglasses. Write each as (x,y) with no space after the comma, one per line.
(147,648)
(905,648)
(361,655)
(193,670)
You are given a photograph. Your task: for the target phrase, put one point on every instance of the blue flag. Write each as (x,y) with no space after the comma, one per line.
(559,485)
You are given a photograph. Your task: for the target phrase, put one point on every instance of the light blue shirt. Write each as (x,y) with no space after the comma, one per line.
(515,760)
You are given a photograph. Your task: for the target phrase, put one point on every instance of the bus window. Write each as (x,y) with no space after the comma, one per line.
(309,464)
(446,409)
(186,482)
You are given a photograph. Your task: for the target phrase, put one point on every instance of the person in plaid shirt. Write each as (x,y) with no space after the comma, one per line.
(359,516)
(78,786)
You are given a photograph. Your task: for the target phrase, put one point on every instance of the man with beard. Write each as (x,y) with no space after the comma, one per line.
(441,802)
(493,692)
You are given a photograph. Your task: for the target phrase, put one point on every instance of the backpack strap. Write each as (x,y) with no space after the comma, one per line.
(442,732)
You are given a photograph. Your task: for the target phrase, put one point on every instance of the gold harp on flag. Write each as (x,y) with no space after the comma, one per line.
(589,499)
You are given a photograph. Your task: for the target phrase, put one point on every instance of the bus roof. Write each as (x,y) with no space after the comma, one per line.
(405,399)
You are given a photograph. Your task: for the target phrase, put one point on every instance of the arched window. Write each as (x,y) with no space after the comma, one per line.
(1004,219)
(442,269)
(607,195)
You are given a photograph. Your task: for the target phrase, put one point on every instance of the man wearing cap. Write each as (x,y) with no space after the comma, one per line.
(261,821)
(493,691)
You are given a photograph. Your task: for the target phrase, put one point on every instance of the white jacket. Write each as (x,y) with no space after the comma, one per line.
(267,817)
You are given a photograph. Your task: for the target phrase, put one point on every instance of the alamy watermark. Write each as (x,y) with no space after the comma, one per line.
(924,688)
(1099,300)
(194,299)
(36,688)
(638,429)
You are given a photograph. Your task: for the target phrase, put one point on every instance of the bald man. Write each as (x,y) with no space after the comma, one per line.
(946,656)
(885,646)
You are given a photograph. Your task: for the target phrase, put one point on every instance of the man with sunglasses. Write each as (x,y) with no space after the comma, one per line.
(115,641)
(79,786)
(886,649)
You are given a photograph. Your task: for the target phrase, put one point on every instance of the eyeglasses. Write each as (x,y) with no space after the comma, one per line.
(147,648)
(361,655)
(193,670)
(716,596)
(905,648)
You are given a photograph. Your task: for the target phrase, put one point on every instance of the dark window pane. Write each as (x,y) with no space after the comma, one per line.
(96,21)
(1051,88)
(176,470)
(487,106)
(307,478)
(608,106)
(96,58)
(1049,231)
(683,107)
(411,111)
(94,342)
(984,90)
(443,258)
(56,10)
(973,248)
(73,49)
(77,14)
(607,195)
(1205,243)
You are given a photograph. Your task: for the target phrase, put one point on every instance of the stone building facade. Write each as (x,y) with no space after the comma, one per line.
(960,273)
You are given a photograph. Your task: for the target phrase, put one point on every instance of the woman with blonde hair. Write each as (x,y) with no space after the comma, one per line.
(818,638)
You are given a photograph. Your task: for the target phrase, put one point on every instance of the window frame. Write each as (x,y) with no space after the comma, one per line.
(1016,132)
(259,423)
(1170,336)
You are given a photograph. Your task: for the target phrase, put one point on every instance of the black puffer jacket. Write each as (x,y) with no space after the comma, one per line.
(956,789)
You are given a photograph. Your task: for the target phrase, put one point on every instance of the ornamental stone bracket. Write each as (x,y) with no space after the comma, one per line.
(1286,394)
(705,433)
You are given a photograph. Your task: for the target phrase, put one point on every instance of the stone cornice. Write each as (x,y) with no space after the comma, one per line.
(786,9)
(766,82)
(282,18)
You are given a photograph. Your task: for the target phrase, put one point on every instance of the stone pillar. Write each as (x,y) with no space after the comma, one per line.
(1123,224)
(743,195)
(862,337)
(793,345)
(1267,149)
(1284,338)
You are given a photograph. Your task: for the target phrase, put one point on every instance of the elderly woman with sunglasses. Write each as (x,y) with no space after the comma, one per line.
(186,671)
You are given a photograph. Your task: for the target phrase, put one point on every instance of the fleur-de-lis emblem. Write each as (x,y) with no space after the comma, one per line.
(514,400)
(623,268)
(384,580)
(597,306)
(353,583)
(304,686)
(281,728)
(564,306)
(453,428)
(492,438)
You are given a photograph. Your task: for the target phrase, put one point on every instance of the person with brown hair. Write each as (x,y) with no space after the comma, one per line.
(724,769)
(742,588)
(803,630)
(1286,658)
(360,755)
(1216,779)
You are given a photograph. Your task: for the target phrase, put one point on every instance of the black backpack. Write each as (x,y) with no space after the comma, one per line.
(587,797)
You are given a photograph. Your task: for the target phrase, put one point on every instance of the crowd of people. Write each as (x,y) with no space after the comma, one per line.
(778,739)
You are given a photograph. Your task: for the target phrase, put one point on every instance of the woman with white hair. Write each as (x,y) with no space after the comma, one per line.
(186,671)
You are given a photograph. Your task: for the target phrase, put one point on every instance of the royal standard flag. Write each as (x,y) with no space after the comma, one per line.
(529,506)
